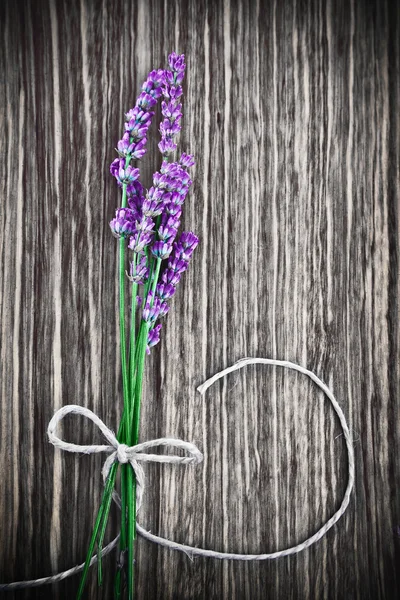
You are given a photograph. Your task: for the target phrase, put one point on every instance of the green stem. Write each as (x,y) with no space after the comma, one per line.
(131,486)
(122,308)
(126,474)
(124,430)
(132,341)
(123,537)
(140,361)
(131,491)
(139,380)
(104,501)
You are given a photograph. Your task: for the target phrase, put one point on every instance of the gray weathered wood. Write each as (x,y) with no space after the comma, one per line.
(292,111)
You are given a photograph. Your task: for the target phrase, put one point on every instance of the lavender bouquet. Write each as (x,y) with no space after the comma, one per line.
(147,223)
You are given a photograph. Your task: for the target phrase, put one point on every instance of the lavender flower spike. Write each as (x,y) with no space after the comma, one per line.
(171,108)
(133,142)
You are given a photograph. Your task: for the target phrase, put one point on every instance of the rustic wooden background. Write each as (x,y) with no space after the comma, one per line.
(292,111)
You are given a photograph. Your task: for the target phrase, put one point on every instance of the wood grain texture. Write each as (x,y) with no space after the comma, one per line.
(292,111)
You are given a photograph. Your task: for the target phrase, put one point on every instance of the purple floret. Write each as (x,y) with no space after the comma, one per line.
(123,225)
(176,265)
(165,290)
(146,101)
(161,249)
(139,272)
(145,224)
(154,308)
(183,249)
(139,241)
(123,174)
(167,234)
(186,160)
(171,277)
(177,63)
(166,147)
(138,120)
(153,337)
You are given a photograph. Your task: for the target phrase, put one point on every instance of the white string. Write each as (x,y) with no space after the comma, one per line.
(134,455)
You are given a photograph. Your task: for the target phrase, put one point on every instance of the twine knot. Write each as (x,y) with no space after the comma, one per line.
(122,453)
(122,456)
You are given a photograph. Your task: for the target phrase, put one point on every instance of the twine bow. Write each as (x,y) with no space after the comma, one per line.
(134,455)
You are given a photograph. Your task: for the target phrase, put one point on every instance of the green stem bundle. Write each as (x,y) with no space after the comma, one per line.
(128,433)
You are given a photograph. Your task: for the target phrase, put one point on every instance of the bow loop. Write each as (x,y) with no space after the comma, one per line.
(194,454)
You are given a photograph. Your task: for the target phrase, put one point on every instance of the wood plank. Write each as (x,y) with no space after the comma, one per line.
(291,110)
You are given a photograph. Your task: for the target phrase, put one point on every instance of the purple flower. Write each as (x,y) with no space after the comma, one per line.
(153,83)
(174,210)
(176,265)
(136,130)
(186,160)
(139,272)
(169,129)
(184,179)
(177,62)
(138,122)
(171,110)
(152,209)
(153,337)
(171,92)
(114,167)
(165,290)
(179,259)
(134,189)
(189,240)
(135,197)
(170,169)
(154,308)
(124,146)
(139,149)
(167,233)
(123,174)
(183,249)
(169,221)
(171,277)
(145,101)
(137,115)
(133,142)
(160,181)
(145,224)
(166,147)
(139,241)
(176,200)
(173,207)
(124,224)
(161,249)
